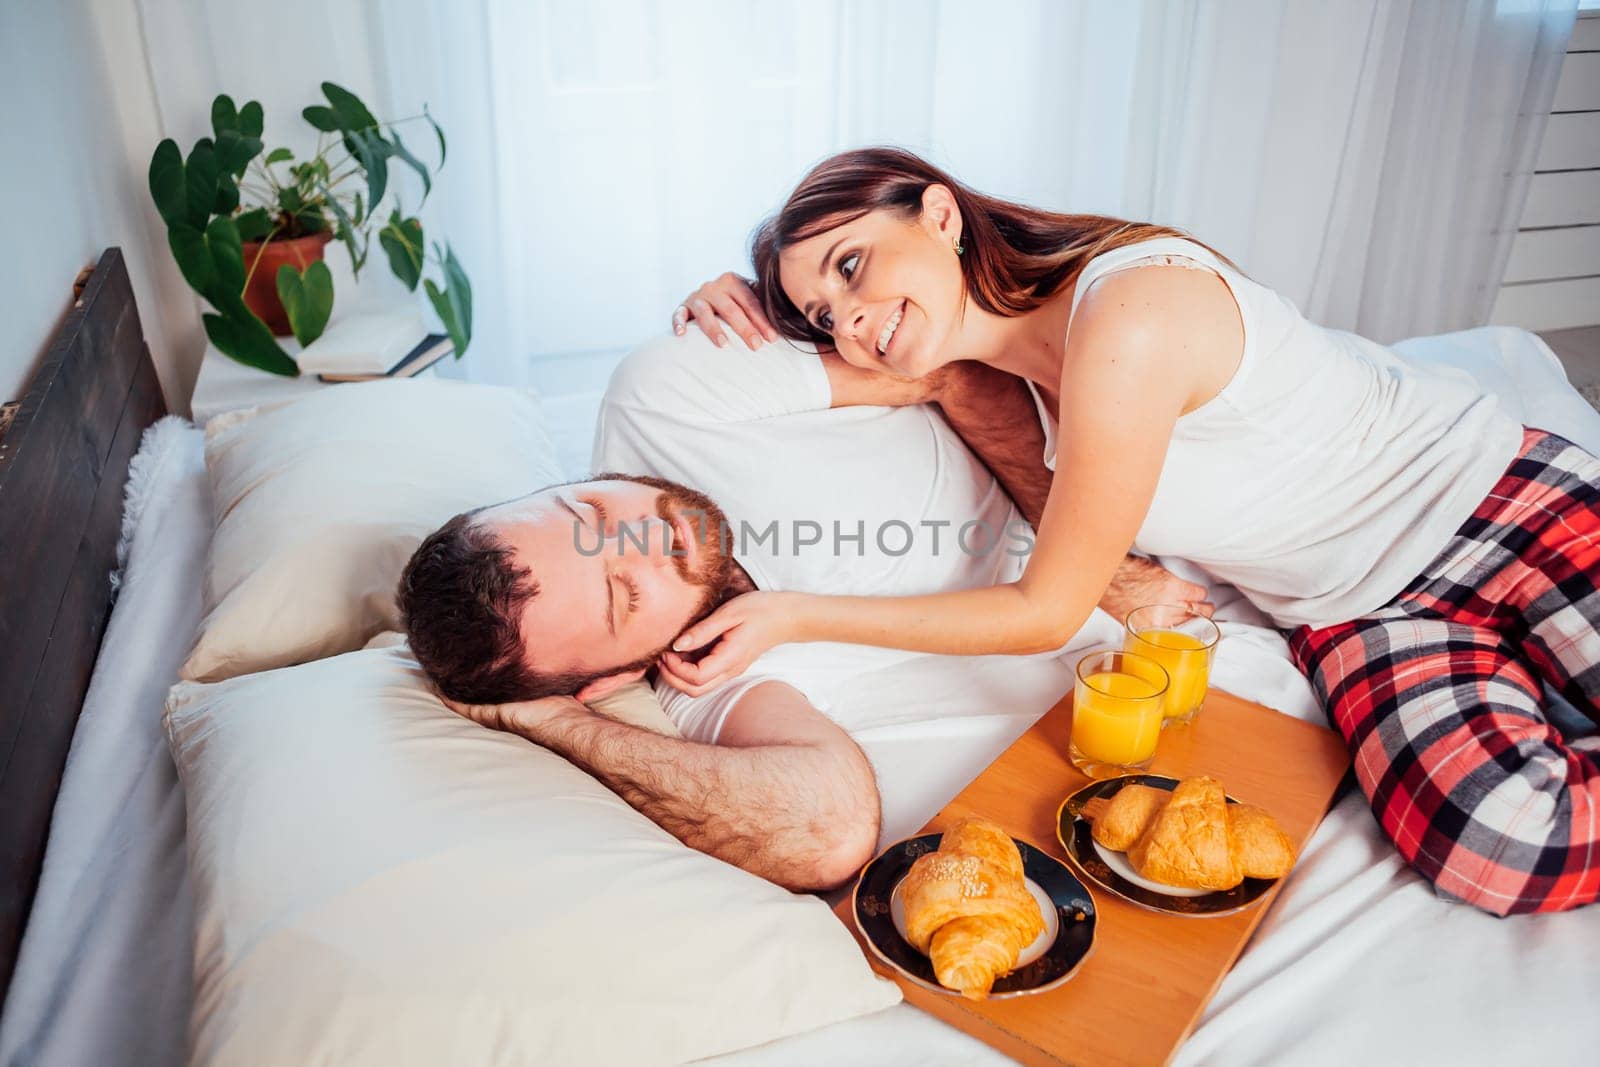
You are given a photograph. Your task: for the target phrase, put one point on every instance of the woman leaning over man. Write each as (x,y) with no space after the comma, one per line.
(1434,560)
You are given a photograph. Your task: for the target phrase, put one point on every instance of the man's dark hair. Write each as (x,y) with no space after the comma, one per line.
(461,597)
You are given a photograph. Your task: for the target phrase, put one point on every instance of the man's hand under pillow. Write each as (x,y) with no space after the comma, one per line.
(784,793)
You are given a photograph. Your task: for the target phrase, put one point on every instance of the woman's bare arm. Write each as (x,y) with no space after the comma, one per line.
(1111,451)
(995,414)
(1143,342)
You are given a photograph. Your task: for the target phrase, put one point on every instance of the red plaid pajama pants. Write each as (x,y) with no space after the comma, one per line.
(1439,696)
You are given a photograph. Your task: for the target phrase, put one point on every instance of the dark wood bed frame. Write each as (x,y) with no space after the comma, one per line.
(63,465)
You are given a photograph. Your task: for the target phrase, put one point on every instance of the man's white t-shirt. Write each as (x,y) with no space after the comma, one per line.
(865,501)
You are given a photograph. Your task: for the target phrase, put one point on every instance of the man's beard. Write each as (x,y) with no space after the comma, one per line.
(708,525)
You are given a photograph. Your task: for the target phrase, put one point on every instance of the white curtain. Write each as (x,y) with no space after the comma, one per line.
(1368,158)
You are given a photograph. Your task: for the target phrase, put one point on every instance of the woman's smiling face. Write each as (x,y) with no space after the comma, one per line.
(887,289)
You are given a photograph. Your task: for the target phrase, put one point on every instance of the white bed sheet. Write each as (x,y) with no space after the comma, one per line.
(1358,960)
(105,968)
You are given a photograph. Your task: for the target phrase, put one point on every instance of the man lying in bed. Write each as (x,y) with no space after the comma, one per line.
(524,599)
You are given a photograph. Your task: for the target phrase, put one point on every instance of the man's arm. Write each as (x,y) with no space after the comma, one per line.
(994,413)
(784,793)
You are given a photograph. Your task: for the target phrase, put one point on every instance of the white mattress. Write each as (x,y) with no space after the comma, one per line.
(1357,961)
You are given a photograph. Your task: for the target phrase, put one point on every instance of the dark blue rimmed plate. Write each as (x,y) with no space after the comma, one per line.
(1111,871)
(1060,951)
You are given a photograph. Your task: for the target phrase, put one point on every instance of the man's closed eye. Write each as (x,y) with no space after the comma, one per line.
(602,517)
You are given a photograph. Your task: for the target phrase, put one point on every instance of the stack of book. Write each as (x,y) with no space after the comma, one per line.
(365,346)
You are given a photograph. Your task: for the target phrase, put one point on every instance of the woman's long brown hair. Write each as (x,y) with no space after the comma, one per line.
(1014,257)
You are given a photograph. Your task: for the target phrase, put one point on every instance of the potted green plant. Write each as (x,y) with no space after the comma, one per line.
(248,231)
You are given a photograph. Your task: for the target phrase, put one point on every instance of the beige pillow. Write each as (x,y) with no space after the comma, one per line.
(378,880)
(320,502)
(634,704)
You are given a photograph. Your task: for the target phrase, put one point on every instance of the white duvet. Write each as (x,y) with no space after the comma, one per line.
(1357,962)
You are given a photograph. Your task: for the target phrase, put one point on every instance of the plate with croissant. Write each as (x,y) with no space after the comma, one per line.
(1179,846)
(976,913)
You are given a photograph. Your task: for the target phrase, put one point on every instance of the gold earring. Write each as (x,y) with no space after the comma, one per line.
(957,243)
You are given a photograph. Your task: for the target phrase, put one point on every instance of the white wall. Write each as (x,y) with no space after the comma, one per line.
(1552,280)
(91,85)
(79,124)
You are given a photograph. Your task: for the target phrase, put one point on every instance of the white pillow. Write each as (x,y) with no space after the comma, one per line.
(634,704)
(380,881)
(320,502)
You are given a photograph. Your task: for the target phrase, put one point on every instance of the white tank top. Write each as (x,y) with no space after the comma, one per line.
(1327,473)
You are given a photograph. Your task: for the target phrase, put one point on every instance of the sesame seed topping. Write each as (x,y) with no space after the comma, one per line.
(966,870)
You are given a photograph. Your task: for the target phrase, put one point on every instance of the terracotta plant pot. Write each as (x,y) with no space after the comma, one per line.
(261,293)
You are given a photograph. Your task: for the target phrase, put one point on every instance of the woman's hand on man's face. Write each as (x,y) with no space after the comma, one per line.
(742,629)
(730,299)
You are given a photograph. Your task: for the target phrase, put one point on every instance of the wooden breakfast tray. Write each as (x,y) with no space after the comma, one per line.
(1143,987)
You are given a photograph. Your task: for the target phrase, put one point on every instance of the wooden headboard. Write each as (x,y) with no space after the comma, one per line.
(63,464)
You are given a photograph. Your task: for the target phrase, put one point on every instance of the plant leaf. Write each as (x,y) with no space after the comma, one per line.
(373,152)
(234,151)
(456,275)
(212,262)
(454,303)
(352,113)
(311,220)
(193,256)
(321,117)
(200,183)
(254,224)
(247,339)
(347,233)
(227,196)
(227,255)
(402,240)
(278,155)
(289,200)
(167,187)
(399,149)
(251,119)
(307,298)
(441,305)
(223,115)
(438,132)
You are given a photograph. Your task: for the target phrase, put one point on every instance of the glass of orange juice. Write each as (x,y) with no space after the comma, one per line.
(1117,708)
(1182,641)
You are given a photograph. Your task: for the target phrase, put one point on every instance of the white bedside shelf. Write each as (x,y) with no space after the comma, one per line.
(227,385)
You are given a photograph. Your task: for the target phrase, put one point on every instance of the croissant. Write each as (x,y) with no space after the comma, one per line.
(1265,851)
(968,908)
(1125,818)
(1192,837)
(1188,844)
